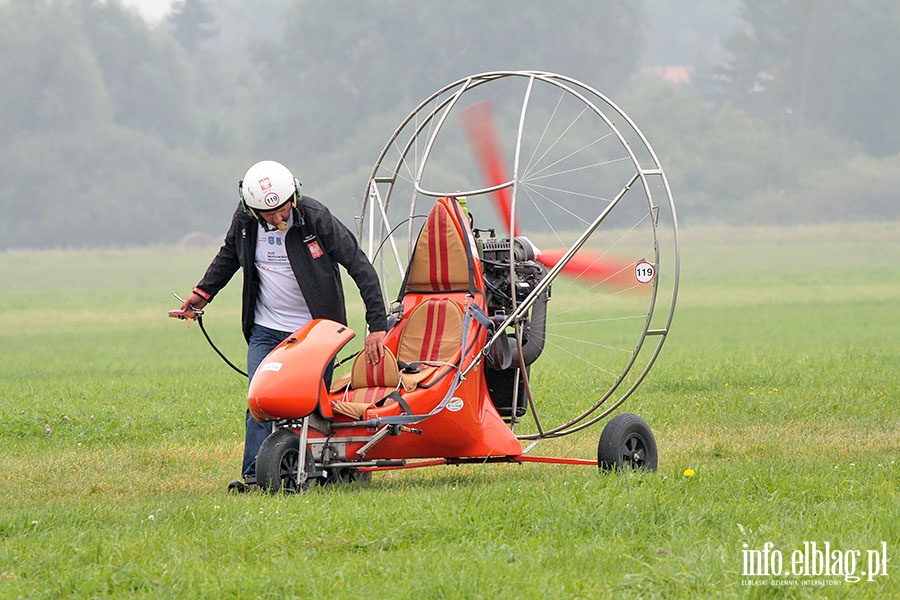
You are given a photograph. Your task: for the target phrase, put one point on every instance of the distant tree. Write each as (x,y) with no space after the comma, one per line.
(340,63)
(144,72)
(99,139)
(52,76)
(727,165)
(826,64)
(54,86)
(192,22)
(687,33)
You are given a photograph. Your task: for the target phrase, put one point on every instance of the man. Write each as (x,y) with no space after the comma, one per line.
(289,247)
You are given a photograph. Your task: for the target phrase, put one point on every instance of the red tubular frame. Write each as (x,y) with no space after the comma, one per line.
(522,458)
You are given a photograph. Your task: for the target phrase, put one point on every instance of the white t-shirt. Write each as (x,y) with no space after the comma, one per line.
(281,305)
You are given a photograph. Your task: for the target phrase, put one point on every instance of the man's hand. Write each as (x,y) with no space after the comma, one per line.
(375,347)
(193,301)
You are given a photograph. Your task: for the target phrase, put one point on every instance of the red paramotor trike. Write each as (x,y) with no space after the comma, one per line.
(525,235)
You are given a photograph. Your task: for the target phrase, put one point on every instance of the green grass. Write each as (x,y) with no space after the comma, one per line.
(778,388)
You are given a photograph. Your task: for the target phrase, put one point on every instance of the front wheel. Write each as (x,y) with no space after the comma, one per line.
(627,443)
(278,461)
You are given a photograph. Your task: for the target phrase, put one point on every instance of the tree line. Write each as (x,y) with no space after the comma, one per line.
(120,132)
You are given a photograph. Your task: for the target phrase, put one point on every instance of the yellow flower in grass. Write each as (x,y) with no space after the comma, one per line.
(689,473)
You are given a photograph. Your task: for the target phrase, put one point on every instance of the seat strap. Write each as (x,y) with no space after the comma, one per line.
(411,368)
(482,317)
(395,395)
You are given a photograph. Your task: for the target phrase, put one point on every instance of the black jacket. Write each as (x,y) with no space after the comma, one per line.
(316,243)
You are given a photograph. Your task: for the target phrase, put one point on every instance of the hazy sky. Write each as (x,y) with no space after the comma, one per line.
(152,10)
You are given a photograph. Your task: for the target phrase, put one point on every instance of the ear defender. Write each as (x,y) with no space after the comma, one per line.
(247,208)
(298,187)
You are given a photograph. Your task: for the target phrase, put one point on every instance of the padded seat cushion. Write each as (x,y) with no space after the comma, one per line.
(440,262)
(368,384)
(384,374)
(431,334)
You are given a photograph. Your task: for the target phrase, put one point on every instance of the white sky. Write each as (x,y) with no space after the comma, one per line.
(152,10)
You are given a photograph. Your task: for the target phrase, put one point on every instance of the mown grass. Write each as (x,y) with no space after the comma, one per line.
(777,388)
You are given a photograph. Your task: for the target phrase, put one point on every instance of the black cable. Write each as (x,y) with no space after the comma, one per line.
(391,233)
(219,352)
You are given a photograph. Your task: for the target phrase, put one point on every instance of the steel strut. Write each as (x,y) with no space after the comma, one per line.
(302,475)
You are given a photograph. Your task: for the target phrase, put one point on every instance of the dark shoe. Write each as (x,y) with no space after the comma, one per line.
(239,487)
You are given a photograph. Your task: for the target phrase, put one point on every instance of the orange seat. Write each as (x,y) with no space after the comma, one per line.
(431,337)
(441,260)
(441,269)
(369,384)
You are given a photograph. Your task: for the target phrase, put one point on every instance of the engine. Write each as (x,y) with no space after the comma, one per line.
(495,258)
(507,286)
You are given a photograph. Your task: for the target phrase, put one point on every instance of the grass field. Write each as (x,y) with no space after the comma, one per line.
(774,405)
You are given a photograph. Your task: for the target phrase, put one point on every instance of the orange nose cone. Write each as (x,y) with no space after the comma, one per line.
(288,384)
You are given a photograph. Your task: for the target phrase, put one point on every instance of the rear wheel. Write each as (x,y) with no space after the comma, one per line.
(347,475)
(627,443)
(278,462)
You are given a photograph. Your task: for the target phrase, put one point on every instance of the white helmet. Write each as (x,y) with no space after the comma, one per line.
(266,186)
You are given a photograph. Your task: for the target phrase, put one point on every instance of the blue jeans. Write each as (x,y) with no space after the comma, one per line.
(262,341)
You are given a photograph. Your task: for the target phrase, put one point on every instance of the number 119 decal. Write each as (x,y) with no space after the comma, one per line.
(644,272)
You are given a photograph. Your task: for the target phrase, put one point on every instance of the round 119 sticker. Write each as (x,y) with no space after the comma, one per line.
(644,272)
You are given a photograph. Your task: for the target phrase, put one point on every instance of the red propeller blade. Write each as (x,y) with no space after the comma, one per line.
(479,123)
(588,268)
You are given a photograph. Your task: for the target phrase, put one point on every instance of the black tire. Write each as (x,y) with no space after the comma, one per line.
(627,443)
(346,475)
(277,462)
